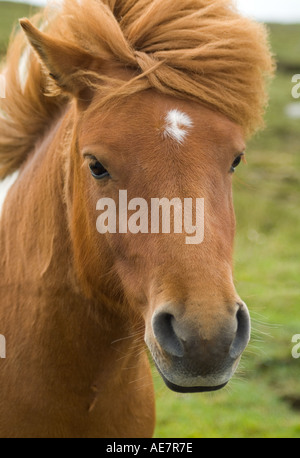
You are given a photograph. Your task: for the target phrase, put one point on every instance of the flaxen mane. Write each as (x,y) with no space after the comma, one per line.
(201,50)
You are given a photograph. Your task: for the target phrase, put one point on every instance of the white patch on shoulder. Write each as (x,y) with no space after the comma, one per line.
(5,186)
(177,125)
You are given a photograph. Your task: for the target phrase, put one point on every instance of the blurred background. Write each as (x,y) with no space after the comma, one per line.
(263,399)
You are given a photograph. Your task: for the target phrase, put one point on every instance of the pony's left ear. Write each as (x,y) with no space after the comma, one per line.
(61,59)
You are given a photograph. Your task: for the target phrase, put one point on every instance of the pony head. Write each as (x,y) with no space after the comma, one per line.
(163,96)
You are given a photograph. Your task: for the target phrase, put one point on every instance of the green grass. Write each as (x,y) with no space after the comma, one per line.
(9,15)
(258,401)
(286,45)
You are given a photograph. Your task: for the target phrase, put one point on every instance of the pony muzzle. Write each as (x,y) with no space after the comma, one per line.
(187,358)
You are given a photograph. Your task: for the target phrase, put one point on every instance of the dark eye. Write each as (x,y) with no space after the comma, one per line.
(98,171)
(236,163)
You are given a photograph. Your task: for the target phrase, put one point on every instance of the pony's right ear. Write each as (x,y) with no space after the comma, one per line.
(61,59)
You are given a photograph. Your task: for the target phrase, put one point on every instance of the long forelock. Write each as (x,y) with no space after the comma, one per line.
(193,49)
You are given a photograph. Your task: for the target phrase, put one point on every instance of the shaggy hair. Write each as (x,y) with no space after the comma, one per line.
(202,50)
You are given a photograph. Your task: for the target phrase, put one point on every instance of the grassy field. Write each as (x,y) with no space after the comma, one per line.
(9,15)
(263,399)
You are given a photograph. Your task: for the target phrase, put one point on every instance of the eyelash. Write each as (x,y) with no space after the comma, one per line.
(236,162)
(97,170)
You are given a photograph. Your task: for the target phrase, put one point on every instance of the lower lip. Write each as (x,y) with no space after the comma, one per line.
(192,389)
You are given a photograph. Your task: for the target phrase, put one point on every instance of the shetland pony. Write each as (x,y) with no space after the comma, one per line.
(156,98)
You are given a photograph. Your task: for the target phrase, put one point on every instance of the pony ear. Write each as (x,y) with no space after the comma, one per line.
(61,59)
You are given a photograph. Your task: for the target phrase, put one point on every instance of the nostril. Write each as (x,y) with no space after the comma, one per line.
(242,337)
(164,333)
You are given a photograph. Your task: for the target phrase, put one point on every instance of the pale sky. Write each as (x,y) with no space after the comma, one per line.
(263,10)
(271,10)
